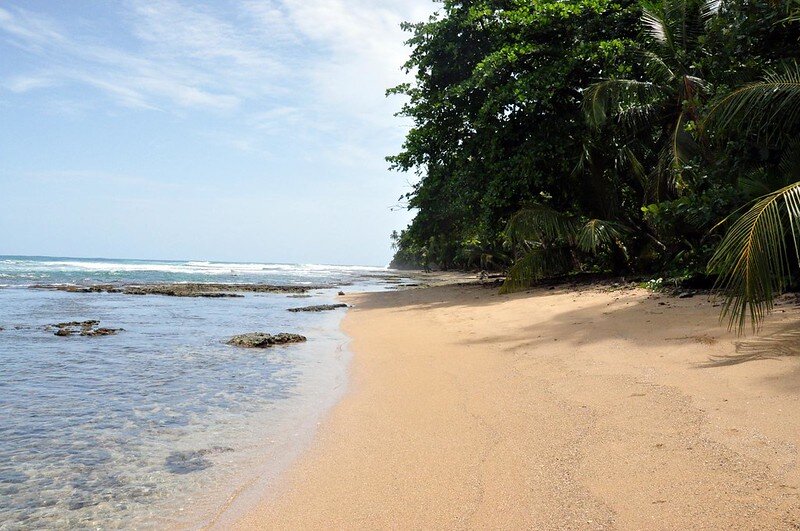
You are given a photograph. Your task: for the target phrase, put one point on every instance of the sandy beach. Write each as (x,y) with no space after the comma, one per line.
(561,408)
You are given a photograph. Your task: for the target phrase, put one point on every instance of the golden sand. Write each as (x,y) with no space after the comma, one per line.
(554,409)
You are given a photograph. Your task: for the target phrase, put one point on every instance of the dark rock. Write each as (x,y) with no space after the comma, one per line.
(181,290)
(341,293)
(83,328)
(318,308)
(192,461)
(77,324)
(186,462)
(262,340)
(101,332)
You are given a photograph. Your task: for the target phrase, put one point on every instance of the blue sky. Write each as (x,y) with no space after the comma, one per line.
(227,130)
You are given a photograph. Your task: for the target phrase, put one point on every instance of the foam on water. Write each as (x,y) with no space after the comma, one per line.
(22,270)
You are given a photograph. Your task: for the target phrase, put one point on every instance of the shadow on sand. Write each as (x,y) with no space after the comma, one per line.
(783,343)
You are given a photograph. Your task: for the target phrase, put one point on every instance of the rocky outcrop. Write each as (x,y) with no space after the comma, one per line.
(262,340)
(194,289)
(82,328)
(318,308)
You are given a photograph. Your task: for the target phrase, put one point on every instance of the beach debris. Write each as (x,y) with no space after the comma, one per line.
(318,308)
(82,328)
(263,340)
(189,289)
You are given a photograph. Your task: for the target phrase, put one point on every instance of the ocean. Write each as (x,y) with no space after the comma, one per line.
(163,424)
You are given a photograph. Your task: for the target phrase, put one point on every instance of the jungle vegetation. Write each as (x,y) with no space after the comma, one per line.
(633,137)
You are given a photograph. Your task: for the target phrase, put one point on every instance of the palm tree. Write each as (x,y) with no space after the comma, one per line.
(659,107)
(761,248)
(547,243)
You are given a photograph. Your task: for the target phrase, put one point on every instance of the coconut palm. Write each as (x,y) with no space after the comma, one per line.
(762,246)
(547,242)
(659,107)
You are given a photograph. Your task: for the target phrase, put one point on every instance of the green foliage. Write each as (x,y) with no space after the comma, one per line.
(496,108)
(754,259)
(555,136)
(548,243)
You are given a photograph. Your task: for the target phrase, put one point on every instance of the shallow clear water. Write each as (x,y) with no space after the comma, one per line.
(162,424)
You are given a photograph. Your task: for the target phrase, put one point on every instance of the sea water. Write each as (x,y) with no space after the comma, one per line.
(163,424)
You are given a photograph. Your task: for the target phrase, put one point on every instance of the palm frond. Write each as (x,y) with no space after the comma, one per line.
(655,25)
(753,259)
(656,67)
(709,9)
(789,165)
(539,223)
(694,85)
(765,107)
(629,159)
(597,233)
(682,146)
(537,264)
(585,159)
(637,117)
(755,186)
(613,96)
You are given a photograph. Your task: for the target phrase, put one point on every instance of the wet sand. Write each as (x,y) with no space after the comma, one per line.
(553,409)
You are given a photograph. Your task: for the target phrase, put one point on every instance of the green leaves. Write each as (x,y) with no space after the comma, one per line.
(540,224)
(549,240)
(767,108)
(596,135)
(625,98)
(537,264)
(753,259)
(756,255)
(596,234)
(495,109)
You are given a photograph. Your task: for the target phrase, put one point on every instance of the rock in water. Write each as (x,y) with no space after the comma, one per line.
(191,289)
(83,328)
(262,340)
(318,308)
(101,332)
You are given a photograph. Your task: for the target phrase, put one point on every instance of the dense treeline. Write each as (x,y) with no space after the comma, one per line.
(553,136)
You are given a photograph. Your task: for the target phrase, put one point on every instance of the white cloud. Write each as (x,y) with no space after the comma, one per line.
(21,84)
(28,27)
(301,67)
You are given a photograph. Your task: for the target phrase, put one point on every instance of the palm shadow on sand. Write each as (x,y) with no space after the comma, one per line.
(783,343)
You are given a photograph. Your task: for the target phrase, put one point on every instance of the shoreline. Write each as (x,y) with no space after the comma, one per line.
(560,407)
(225,416)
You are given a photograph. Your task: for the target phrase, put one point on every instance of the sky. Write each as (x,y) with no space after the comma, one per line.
(231,130)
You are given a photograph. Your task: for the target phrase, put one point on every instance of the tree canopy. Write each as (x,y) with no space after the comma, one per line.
(553,136)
